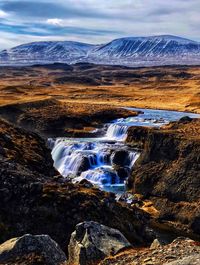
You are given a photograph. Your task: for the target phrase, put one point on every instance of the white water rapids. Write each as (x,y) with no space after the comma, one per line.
(107,161)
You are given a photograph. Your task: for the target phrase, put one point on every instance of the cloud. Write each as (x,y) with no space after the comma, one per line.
(55,21)
(96,21)
(33,9)
(40,9)
(3,14)
(40,29)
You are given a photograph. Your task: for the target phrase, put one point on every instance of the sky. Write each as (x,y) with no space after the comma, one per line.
(95,21)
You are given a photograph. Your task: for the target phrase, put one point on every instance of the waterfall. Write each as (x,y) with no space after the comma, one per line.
(92,159)
(89,159)
(133,157)
(71,157)
(117,132)
(66,161)
(101,176)
(58,154)
(98,159)
(71,164)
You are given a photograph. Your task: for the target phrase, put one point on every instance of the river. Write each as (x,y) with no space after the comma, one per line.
(107,161)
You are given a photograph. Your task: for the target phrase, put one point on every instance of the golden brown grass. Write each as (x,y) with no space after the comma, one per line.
(174,88)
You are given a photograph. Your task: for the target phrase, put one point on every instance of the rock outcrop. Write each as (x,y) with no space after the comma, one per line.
(191,260)
(92,242)
(24,153)
(182,251)
(23,247)
(53,118)
(167,173)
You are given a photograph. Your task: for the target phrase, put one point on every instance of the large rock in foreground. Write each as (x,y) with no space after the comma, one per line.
(41,246)
(91,242)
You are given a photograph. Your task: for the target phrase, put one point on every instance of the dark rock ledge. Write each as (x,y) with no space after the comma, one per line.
(168,174)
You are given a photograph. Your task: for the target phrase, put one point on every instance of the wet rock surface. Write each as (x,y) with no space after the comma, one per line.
(92,242)
(120,158)
(39,246)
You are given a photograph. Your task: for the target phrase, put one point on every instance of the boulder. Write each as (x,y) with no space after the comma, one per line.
(41,245)
(123,173)
(156,244)
(84,166)
(185,119)
(85,183)
(120,158)
(92,242)
(182,251)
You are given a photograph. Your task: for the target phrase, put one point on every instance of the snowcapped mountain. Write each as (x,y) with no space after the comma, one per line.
(153,50)
(46,52)
(132,51)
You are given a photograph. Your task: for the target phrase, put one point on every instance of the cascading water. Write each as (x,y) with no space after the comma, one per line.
(104,176)
(133,157)
(117,132)
(81,159)
(92,159)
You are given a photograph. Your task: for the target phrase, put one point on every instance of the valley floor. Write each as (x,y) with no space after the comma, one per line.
(173,88)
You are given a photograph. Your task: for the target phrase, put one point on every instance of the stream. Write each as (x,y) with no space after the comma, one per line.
(107,161)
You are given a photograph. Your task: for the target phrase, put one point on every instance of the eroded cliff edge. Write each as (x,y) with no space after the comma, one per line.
(168,173)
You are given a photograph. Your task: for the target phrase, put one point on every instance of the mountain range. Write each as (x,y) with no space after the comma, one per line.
(131,51)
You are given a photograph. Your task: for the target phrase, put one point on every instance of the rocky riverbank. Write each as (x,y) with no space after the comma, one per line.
(168,173)
(35,199)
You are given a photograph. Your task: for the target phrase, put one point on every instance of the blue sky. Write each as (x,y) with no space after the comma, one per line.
(95,21)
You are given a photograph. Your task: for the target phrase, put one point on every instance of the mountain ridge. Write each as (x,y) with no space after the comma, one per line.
(129,51)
